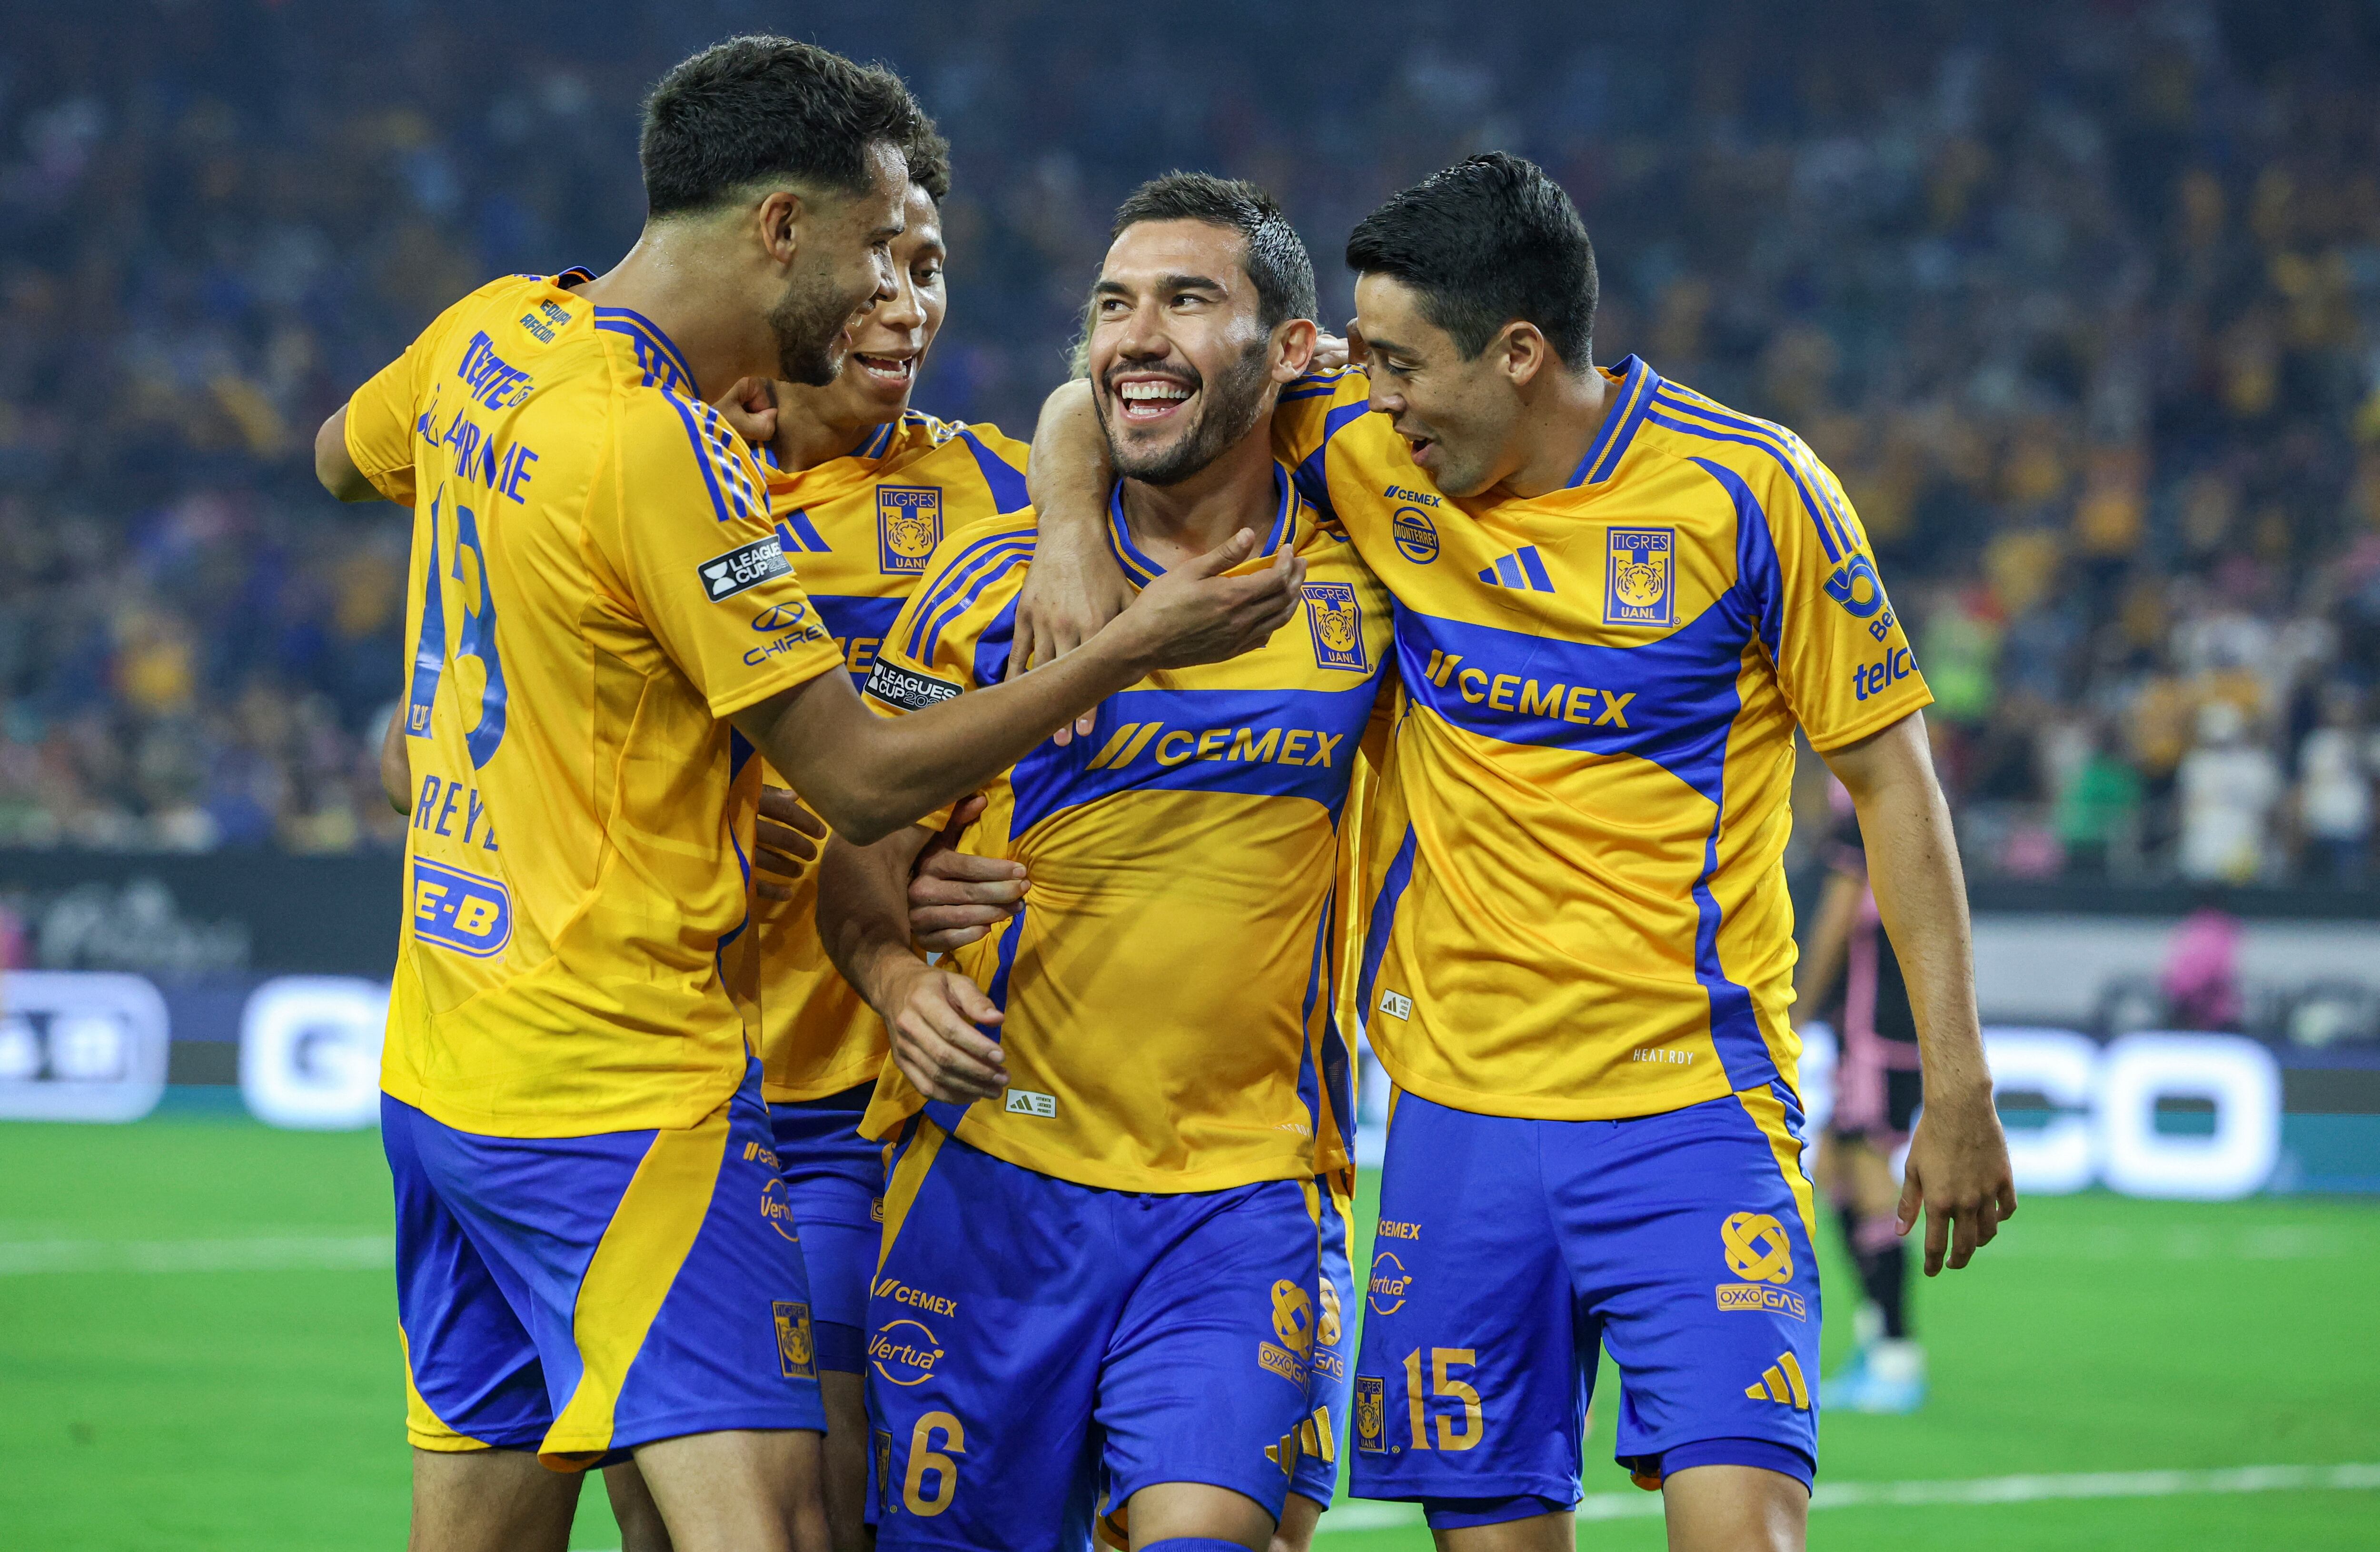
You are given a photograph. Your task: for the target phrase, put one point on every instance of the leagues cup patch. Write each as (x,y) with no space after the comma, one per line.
(747,565)
(1640,586)
(908,526)
(909,691)
(1337,621)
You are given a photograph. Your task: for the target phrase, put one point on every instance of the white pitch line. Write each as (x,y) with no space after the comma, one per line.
(307,1253)
(1360,1516)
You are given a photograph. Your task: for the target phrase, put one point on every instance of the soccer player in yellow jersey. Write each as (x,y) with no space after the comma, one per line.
(862,488)
(1615,598)
(592,1254)
(1101,1284)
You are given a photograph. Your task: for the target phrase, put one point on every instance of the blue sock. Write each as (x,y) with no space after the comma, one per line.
(1194,1543)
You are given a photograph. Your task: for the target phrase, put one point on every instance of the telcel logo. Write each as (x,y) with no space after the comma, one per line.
(1872,679)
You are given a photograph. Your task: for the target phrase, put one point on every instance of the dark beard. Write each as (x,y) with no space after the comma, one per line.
(809,323)
(1232,404)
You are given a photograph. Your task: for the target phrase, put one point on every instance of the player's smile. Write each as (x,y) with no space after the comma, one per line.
(1147,398)
(892,369)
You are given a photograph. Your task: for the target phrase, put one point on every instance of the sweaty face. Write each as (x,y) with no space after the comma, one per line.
(844,264)
(1179,362)
(1457,416)
(890,341)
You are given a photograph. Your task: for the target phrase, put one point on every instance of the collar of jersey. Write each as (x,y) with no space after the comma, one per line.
(821,481)
(1143,571)
(1634,382)
(639,323)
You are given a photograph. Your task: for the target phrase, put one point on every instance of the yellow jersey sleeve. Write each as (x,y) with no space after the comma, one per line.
(1842,656)
(687,538)
(385,415)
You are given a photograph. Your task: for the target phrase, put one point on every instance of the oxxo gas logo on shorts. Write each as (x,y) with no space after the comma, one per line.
(1292,1322)
(1390,1281)
(1759,1251)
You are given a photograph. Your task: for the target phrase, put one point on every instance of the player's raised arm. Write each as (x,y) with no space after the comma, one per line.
(1075,585)
(867,777)
(1957,1159)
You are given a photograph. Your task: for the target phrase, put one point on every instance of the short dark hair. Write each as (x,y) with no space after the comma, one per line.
(758,107)
(1277,260)
(929,160)
(1486,241)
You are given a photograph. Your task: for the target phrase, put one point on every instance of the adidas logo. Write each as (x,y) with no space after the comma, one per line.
(1521,569)
(1781,1382)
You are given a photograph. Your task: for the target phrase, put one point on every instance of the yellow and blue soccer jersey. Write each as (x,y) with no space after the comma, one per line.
(859,530)
(1168,985)
(592,549)
(1575,906)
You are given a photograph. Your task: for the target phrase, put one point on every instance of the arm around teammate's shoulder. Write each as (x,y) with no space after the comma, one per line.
(1075,585)
(869,776)
(1958,1168)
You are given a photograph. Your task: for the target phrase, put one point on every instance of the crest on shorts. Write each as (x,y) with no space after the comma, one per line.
(1371,1415)
(1640,584)
(1337,621)
(797,1354)
(908,526)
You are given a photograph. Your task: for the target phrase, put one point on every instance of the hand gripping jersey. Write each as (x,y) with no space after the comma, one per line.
(1168,984)
(592,553)
(1575,907)
(859,531)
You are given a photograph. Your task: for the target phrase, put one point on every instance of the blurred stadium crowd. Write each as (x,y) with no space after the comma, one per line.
(2082,302)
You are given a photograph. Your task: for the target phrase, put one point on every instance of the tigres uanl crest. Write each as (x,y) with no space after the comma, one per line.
(1336,621)
(1641,576)
(908,526)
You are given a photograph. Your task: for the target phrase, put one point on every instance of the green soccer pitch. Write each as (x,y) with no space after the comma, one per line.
(198,1348)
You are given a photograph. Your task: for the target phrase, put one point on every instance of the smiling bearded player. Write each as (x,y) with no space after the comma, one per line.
(1103,1276)
(1616,598)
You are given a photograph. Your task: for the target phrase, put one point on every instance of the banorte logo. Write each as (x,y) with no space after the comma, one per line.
(904,1351)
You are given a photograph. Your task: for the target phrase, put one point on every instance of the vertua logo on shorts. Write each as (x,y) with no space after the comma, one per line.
(795,1353)
(1389,1284)
(908,526)
(1371,1415)
(1757,1248)
(905,1352)
(778,1209)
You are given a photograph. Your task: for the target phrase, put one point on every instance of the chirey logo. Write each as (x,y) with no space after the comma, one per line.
(1757,1248)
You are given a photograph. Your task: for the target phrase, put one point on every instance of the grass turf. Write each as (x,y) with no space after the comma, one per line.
(255,1409)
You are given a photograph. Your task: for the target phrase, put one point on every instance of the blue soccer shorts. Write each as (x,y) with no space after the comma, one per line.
(1039,1350)
(1330,1381)
(582,1296)
(834,1184)
(1508,1248)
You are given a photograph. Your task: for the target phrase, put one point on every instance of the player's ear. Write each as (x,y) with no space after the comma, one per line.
(1522,351)
(1293,349)
(780,217)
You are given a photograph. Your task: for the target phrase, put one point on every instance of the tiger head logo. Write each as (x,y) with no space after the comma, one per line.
(1641,581)
(1336,620)
(1371,1405)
